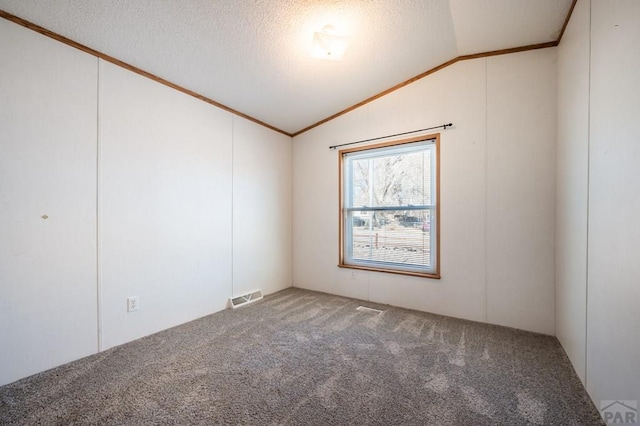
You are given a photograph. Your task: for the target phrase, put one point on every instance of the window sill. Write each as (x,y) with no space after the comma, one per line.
(435,276)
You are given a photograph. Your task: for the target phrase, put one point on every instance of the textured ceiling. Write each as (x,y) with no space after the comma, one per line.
(253,55)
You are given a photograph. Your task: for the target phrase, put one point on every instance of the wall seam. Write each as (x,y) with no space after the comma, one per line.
(233,123)
(486,190)
(554,247)
(292,217)
(98,215)
(556,207)
(586,307)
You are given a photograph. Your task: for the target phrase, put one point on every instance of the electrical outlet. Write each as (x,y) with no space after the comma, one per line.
(133,304)
(353,275)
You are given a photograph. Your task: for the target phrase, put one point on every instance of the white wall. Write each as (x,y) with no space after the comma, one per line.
(165,197)
(48,95)
(485,160)
(262,197)
(613,340)
(138,182)
(521,141)
(598,197)
(572,187)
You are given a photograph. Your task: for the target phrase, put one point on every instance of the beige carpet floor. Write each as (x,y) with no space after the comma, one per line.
(305,358)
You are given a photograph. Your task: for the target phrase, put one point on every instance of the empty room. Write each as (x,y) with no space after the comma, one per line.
(320,212)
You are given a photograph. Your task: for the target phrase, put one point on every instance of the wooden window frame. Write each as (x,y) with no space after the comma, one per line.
(341,220)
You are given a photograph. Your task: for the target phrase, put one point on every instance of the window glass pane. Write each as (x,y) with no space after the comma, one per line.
(429,164)
(361,187)
(400,237)
(391,179)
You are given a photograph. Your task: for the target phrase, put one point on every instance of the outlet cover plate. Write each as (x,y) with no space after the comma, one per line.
(133,304)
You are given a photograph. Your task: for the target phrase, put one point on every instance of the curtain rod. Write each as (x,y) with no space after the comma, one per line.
(444,127)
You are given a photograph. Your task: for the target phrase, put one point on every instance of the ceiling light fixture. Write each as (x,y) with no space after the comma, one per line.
(329,45)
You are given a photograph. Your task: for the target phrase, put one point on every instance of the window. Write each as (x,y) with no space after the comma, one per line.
(389,207)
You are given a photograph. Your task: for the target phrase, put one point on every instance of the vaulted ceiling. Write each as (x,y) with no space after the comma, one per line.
(254,55)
